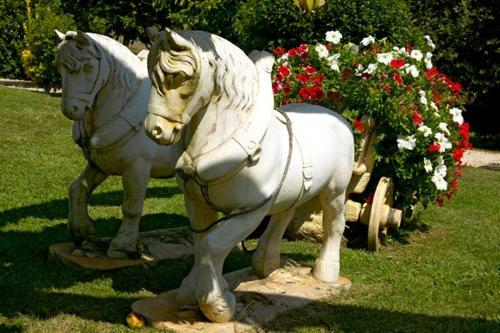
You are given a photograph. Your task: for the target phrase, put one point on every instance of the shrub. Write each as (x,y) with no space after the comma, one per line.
(12,17)
(263,24)
(467,35)
(41,44)
(417,109)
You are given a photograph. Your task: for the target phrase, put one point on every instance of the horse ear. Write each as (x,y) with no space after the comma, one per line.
(60,34)
(82,38)
(152,33)
(176,41)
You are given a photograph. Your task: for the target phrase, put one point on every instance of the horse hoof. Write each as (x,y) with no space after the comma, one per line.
(82,231)
(326,272)
(218,309)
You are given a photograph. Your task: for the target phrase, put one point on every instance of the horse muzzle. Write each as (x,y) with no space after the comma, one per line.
(162,131)
(73,108)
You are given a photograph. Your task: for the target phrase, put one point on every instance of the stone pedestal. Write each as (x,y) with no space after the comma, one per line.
(258,301)
(157,245)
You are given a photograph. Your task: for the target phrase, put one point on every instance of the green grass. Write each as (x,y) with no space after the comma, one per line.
(441,274)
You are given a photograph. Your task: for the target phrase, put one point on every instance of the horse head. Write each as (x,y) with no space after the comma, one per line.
(83,75)
(181,88)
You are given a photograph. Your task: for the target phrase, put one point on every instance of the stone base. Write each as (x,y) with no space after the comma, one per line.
(157,245)
(258,301)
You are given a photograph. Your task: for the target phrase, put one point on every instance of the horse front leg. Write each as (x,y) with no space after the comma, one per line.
(200,216)
(214,298)
(80,225)
(135,181)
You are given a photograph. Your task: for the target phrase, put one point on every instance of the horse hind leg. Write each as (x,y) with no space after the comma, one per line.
(327,265)
(266,258)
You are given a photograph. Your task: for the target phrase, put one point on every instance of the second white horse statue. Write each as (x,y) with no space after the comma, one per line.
(105,92)
(242,158)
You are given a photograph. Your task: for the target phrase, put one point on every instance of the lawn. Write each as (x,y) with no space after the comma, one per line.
(439,274)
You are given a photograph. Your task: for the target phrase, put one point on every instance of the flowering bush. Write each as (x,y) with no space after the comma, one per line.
(418,109)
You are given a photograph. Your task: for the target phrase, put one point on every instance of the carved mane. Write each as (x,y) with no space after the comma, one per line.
(126,68)
(235,89)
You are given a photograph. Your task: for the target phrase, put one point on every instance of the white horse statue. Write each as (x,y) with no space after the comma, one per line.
(242,158)
(105,92)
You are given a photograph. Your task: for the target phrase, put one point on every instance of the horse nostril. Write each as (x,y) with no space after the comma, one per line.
(157,132)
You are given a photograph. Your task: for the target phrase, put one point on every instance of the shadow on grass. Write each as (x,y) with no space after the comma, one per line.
(349,318)
(58,209)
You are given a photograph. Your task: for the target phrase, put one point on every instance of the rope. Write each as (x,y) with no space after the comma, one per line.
(204,188)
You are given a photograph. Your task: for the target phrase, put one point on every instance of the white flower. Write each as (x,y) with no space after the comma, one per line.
(402,51)
(370,69)
(412,70)
(443,142)
(443,127)
(353,47)
(427,60)
(359,69)
(439,181)
(430,43)
(457,116)
(427,165)
(407,143)
(384,58)
(434,106)
(333,37)
(426,131)
(416,54)
(322,51)
(284,58)
(423,99)
(367,40)
(334,65)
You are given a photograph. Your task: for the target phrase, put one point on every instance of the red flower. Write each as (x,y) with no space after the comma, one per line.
(458,174)
(409,47)
(303,48)
(458,153)
(387,89)
(366,75)
(397,63)
(358,125)
(440,201)
(432,74)
(276,87)
(292,52)
(304,93)
(416,116)
(310,70)
(398,79)
(318,80)
(279,51)
(315,92)
(433,148)
(454,184)
(346,73)
(302,77)
(436,97)
(464,130)
(456,87)
(285,71)
(278,77)
(449,195)
(286,88)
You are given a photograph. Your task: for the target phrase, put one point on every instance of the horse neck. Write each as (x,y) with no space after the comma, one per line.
(112,98)
(211,127)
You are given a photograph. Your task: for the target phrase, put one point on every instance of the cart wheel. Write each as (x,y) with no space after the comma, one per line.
(382,214)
